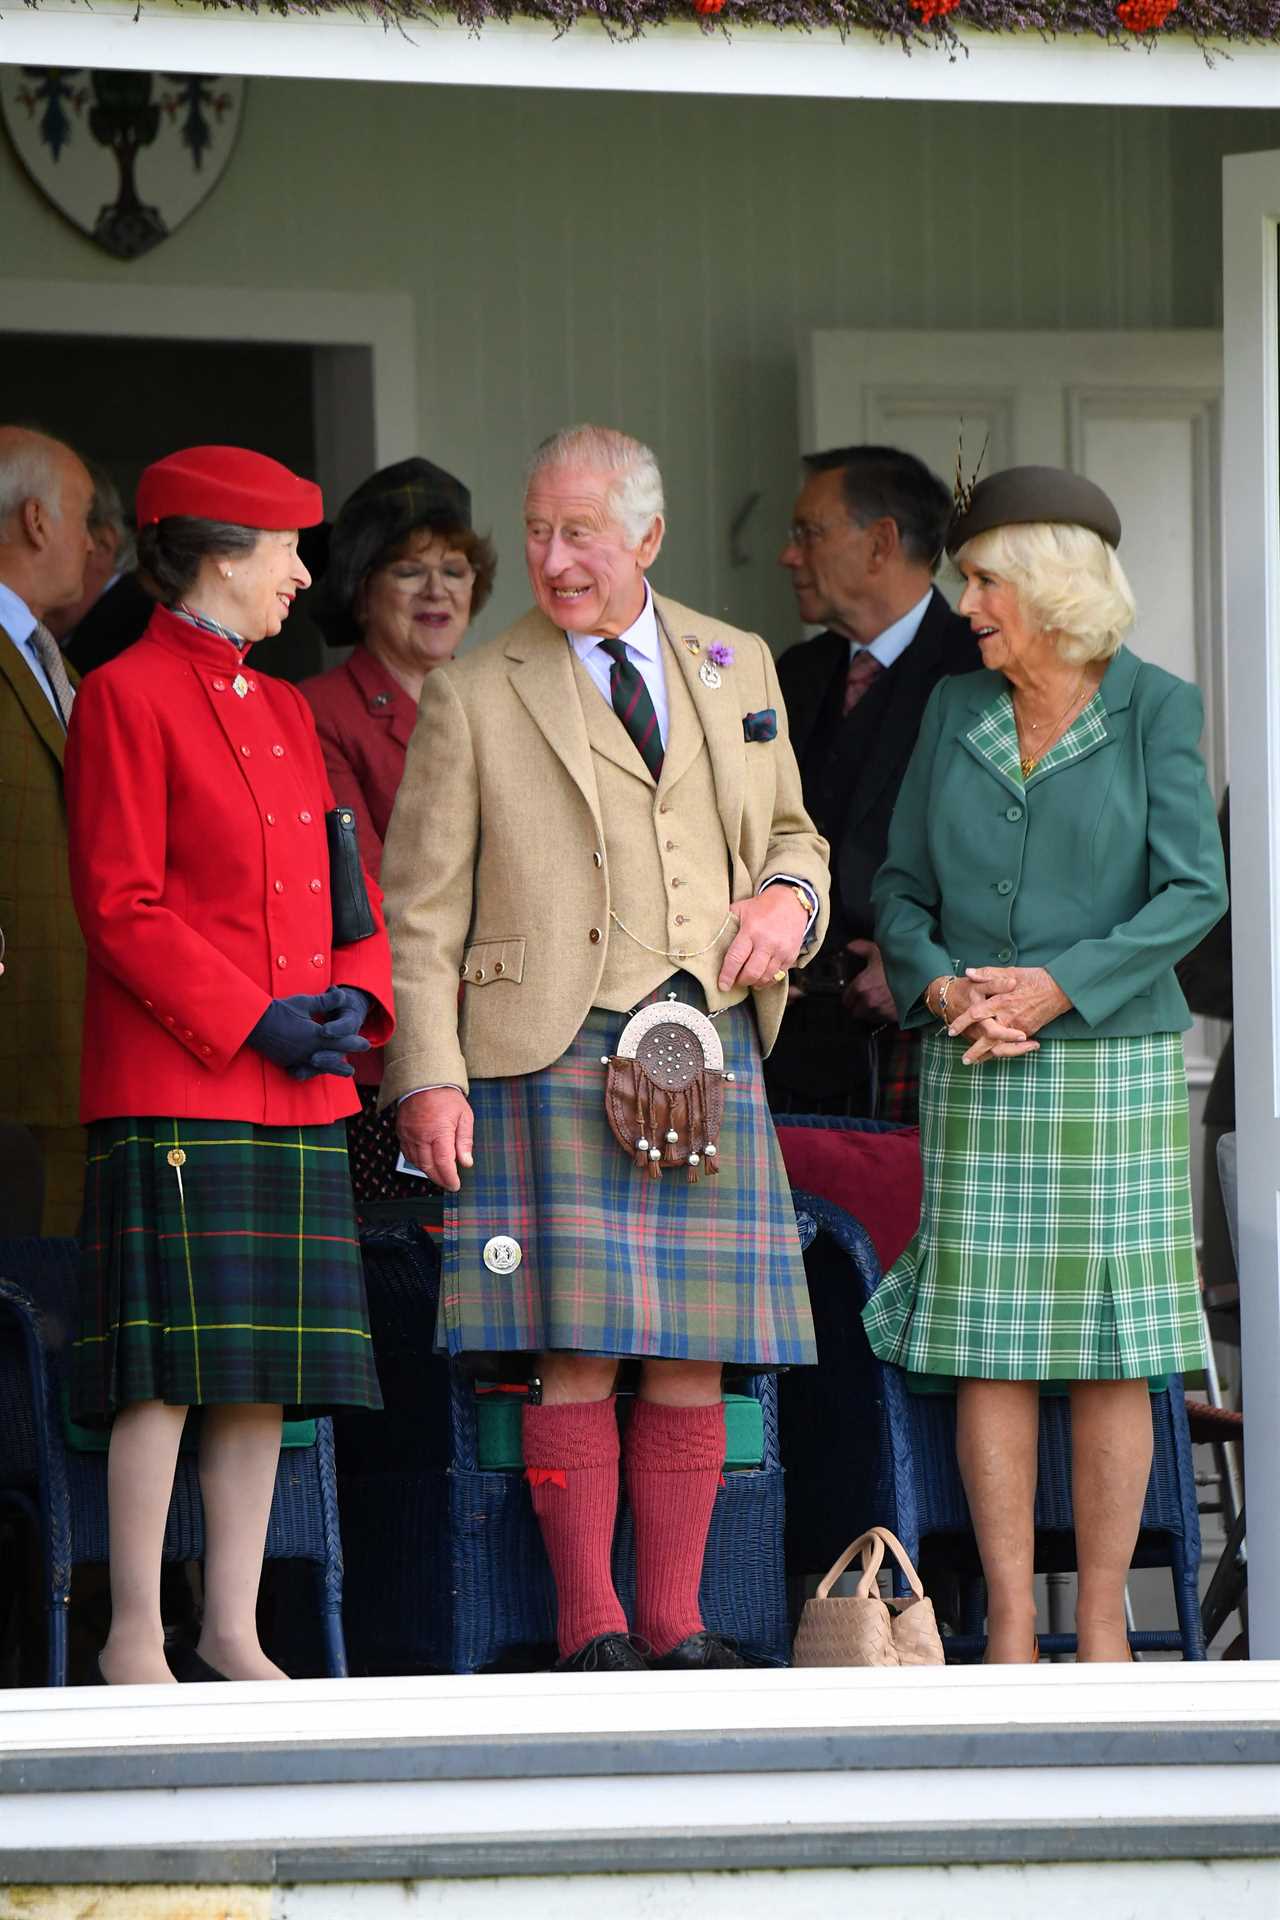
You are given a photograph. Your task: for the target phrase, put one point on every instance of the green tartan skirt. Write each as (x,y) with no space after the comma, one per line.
(220,1264)
(1056,1240)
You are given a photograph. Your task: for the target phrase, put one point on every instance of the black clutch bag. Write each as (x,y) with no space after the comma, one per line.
(352,915)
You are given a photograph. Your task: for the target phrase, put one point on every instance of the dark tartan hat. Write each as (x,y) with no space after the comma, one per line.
(1021,495)
(412,496)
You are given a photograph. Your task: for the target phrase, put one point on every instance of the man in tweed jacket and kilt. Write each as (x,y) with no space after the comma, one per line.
(601,809)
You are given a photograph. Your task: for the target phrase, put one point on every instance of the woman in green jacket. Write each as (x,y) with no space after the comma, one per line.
(1053,853)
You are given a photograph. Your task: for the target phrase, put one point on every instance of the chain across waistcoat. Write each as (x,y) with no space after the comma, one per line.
(667,862)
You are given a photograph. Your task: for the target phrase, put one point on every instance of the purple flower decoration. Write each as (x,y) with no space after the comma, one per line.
(719,654)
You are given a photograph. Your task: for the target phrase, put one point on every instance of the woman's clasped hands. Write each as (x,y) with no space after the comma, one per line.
(999,1009)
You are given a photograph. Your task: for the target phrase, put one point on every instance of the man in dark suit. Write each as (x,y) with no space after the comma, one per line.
(113,609)
(865,543)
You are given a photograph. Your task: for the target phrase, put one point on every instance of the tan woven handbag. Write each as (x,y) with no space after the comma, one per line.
(864,1630)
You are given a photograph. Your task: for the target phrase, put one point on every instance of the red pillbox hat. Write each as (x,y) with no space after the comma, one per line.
(231,484)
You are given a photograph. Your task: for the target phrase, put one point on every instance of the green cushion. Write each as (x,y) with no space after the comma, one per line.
(499,1448)
(294,1433)
(945,1383)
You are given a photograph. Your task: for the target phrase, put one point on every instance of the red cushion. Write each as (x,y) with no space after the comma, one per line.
(874,1176)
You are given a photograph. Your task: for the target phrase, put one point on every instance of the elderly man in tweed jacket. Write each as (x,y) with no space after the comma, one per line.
(601,811)
(45,492)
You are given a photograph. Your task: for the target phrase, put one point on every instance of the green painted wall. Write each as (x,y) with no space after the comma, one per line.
(657,263)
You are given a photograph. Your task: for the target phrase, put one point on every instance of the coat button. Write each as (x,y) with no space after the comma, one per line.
(314,885)
(598,858)
(169,1020)
(305,818)
(670,845)
(206,1051)
(1005,953)
(278,752)
(499,966)
(317,959)
(1004,886)
(663,807)
(595,936)
(281,961)
(187,1034)
(245,751)
(219,686)
(681,918)
(677,882)
(148,1004)
(462,970)
(279,886)
(1013,813)
(253,686)
(271,819)
(479,975)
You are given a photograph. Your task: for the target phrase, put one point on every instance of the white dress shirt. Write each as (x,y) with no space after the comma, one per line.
(19,623)
(644,650)
(894,641)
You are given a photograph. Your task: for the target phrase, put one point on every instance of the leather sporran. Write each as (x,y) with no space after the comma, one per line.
(862,1630)
(664,1090)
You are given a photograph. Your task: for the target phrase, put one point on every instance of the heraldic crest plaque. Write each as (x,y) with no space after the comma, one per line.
(126,156)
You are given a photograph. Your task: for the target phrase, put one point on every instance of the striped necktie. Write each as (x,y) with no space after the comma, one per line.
(49,654)
(633,706)
(863,669)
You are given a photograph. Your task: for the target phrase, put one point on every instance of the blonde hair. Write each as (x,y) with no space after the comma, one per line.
(1067,579)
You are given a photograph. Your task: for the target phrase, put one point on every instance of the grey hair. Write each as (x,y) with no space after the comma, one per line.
(30,469)
(635,496)
(106,515)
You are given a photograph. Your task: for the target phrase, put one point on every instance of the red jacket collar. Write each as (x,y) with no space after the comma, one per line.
(193,643)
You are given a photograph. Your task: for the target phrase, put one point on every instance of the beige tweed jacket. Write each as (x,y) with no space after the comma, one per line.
(42,991)
(494,847)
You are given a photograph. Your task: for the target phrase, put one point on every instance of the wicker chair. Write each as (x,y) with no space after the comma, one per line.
(447,1564)
(63,1493)
(860,1449)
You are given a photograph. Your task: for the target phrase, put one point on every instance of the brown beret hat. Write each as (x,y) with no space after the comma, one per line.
(1020,495)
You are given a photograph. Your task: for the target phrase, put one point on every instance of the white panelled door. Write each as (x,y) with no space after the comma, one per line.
(1137,412)
(1251,499)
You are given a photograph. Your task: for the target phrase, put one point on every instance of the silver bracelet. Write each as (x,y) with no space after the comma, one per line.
(943,991)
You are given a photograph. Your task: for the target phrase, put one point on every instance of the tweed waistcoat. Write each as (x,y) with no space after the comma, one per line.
(668,867)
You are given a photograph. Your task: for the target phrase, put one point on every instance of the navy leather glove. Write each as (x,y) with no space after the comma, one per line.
(289,1032)
(346,1010)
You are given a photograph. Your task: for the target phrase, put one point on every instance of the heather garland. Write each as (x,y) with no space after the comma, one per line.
(913,23)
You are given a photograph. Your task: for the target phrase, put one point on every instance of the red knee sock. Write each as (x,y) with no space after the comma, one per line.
(674,1459)
(571,1462)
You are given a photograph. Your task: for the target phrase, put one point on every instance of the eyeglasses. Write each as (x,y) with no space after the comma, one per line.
(807,533)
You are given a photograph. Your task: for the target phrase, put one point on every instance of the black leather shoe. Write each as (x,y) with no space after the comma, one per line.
(607,1653)
(186,1665)
(700,1650)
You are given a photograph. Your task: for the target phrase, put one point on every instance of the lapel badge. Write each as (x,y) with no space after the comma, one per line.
(502,1254)
(709,674)
(240,685)
(691,641)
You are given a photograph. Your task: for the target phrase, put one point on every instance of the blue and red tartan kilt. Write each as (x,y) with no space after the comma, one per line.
(239,1282)
(613,1262)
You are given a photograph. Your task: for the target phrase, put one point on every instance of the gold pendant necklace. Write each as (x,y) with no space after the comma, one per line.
(1030,761)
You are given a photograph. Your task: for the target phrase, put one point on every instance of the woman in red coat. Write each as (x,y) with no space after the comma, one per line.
(407,573)
(221,1267)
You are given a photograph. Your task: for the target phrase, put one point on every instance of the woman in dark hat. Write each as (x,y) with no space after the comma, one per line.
(407,574)
(220,1262)
(1053,854)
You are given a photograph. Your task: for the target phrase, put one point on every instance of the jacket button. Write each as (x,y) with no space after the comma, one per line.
(206,1051)
(670,845)
(314,885)
(479,975)
(253,686)
(148,1004)
(281,961)
(169,1020)
(279,886)
(187,1034)
(499,966)
(462,970)
(278,752)
(663,807)
(1013,813)
(681,918)
(1004,886)
(219,686)
(245,751)
(598,858)
(677,882)
(271,819)
(595,936)
(317,959)
(305,818)
(1005,953)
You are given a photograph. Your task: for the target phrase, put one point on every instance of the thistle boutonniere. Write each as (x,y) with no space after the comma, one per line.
(719,654)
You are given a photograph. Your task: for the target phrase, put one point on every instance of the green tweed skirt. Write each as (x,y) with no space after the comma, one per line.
(1056,1239)
(220,1264)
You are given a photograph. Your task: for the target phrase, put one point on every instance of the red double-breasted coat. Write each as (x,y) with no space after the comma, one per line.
(200,874)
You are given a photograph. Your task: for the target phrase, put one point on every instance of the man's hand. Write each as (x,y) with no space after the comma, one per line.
(437,1129)
(771,930)
(867,995)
